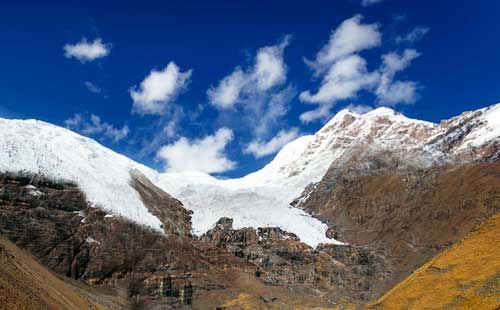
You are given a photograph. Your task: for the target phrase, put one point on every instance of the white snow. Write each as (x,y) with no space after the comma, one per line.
(262,198)
(259,199)
(33,190)
(489,132)
(91,240)
(103,175)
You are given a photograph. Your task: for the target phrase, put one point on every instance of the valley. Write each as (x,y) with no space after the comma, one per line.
(366,212)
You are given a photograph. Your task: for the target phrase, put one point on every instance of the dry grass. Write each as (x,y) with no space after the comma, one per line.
(464,277)
(246,292)
(26,285)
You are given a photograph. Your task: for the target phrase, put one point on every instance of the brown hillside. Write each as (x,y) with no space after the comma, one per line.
(407,214)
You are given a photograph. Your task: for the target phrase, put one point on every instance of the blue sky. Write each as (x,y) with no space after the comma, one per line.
(234,80)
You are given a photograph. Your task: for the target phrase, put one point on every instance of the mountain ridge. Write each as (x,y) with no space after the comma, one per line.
(261,198)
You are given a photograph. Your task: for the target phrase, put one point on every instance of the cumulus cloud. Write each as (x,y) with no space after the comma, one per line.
(86,51)
(370,2)
(95,126)
(268,71)
(206,155)
(390,92)
(227,93)
(158,89)
(344,79)
(260,148)
(350,37)
(254,100)
(344,73)
(413,36)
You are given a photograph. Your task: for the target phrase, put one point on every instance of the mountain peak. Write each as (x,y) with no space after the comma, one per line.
(262,198)
(382,111)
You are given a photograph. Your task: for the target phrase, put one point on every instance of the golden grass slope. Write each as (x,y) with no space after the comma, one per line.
(26,285)
(463,277)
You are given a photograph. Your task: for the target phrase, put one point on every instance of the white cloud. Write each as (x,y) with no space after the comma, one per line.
(74,121)
(350,37)
(415,35)
(394,62)
(321,112)
(91,87)
(267,111)
(344,79)
(370,2)
(159,89)
(158,131)
(228,91)
(206,155)
(95,126)
(344,73)
(397,92)
(260,149)
(86,51)
(390,92)
(269,70)
(359,108)
(254,100)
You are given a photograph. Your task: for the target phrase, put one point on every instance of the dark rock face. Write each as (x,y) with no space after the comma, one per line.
(342,270)
(174,217)
(332,233)
(43,217)
(53,222)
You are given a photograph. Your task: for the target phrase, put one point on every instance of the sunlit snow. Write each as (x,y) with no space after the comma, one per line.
(259,199)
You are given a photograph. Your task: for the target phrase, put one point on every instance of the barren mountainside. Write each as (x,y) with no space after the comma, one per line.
(103,175)
(335,221)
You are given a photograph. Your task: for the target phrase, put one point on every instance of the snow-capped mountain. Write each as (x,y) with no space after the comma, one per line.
(261,198)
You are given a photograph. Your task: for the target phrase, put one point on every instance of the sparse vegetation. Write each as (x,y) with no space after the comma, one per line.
(463,277)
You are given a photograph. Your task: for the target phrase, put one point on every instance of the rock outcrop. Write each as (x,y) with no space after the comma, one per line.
(340,270)
(53,221)
(174,217)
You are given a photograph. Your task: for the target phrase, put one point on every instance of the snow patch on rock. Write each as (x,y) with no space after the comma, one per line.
(259,199)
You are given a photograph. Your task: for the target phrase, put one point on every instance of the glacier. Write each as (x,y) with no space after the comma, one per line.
(258,199)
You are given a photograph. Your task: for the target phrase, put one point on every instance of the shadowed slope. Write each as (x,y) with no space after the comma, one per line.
(175,219)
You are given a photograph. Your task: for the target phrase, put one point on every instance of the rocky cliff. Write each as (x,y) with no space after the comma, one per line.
(149,270)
